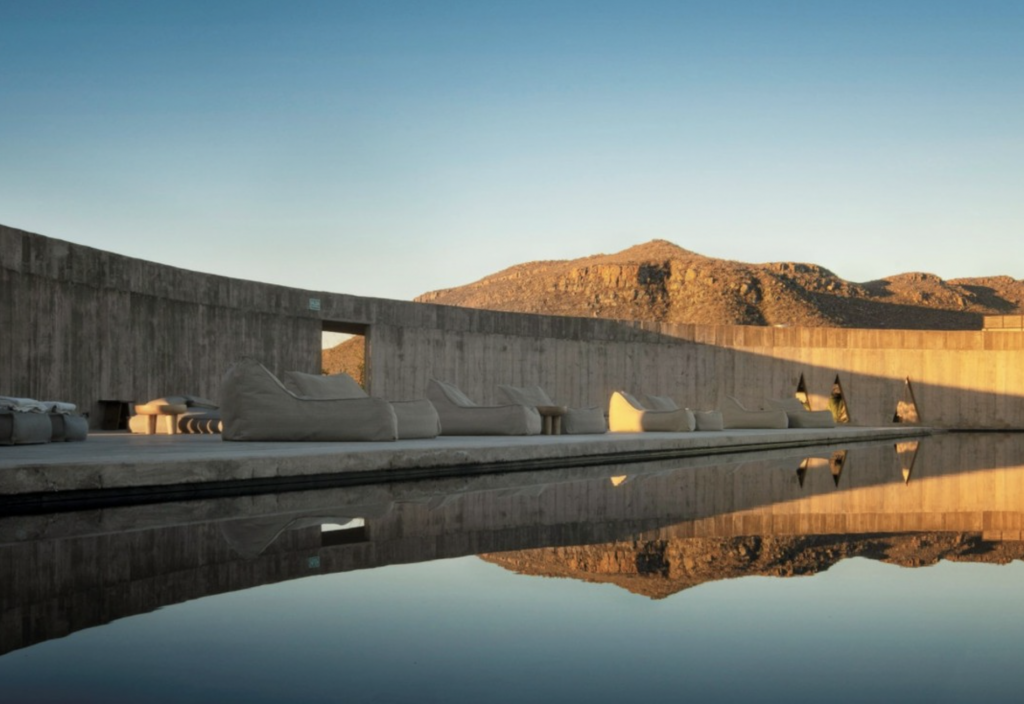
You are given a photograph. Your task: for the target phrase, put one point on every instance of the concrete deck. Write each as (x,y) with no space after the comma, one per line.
(120,468)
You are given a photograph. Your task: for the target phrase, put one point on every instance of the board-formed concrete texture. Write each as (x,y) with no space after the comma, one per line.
(86,326)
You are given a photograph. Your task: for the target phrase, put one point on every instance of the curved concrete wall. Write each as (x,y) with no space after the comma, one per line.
(84,325)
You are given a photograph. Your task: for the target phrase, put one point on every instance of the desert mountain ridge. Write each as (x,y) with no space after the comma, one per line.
(663,282)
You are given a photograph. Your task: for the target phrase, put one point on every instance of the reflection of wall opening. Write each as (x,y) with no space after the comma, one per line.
(906,408)
(353,531)
(343,350)
(837,403)
(837,464)
(906,452)
(810,463)
(801,393)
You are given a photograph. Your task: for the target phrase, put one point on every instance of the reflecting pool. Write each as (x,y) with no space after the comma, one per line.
(837,574)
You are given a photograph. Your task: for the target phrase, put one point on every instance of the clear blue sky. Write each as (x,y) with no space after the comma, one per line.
(390,148)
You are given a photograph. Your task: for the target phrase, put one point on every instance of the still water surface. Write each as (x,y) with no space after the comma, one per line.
(874,572)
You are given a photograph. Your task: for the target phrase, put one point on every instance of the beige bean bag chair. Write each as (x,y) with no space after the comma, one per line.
(576,421)
(709,420)
(734,415)
(416,419)
(257,406)
(800,417)
(626,414)
(461,416)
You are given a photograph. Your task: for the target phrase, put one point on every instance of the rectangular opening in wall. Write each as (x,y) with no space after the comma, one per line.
(113,414)
(343,349)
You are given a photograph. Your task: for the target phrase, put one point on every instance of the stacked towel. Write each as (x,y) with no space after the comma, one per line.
(23,405)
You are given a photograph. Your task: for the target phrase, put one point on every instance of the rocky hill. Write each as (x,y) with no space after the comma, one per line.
(660,568)
(660,281)
(663,282)
(346,357)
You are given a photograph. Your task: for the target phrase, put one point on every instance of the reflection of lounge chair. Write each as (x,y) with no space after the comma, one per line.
(735,416)
(628,415)
(461,416)
(575,421)
(800,417)
(249,537)
(257,406)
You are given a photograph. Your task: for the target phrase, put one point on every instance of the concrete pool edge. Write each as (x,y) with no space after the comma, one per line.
(120,469)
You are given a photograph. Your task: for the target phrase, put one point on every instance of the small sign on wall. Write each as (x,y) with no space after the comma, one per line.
(314,304)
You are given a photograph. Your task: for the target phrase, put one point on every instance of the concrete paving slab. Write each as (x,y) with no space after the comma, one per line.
(124,468)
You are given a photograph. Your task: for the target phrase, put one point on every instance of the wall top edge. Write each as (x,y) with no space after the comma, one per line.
(28,253)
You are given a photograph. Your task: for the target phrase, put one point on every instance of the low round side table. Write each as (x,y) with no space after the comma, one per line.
(163,409)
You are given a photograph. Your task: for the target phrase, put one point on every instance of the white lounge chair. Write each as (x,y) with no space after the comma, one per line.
(705,420)
(800,417)
(416,419)
(461,416)
(736,416)
(256,406)
(626,414)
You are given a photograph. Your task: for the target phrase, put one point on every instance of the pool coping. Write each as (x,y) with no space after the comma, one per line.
(112,469)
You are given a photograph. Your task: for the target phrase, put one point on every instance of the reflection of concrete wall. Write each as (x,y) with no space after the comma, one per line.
(131,560)
(957,483)
(83,325)
(54,588)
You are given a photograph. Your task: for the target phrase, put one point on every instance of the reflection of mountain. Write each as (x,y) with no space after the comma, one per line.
(684,520)
(660,568)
